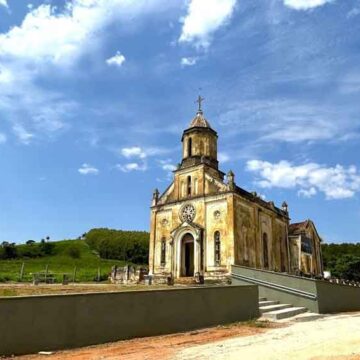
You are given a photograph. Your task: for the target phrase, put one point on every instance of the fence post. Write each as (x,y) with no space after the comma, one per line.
(21,272)
(99,275)
(46,272)
(74,274)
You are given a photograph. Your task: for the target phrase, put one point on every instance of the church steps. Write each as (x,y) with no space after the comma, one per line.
(271,308)
(268,302)
(284,313)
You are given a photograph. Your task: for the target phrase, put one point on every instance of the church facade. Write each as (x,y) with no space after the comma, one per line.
(203,222)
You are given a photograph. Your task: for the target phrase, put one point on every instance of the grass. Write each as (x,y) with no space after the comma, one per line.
(60,262)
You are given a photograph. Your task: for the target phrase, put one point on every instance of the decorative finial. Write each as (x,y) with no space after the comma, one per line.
(231,180)
(155,198)
(199,101)
(285,207)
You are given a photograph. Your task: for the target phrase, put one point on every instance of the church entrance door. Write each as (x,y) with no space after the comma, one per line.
(187,252)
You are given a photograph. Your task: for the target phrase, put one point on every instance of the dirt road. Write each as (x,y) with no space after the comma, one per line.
(332,337)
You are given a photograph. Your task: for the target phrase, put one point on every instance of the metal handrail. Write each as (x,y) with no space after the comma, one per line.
(271,285)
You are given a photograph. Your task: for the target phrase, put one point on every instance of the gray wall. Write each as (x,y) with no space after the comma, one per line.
(31,324)
(337,298)
(317,295)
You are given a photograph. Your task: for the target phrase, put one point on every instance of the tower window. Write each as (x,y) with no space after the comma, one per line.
(163,252)
(189,147)
(217,248)
(189,185)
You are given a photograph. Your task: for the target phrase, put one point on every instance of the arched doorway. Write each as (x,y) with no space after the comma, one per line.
(265,251)
(187,255)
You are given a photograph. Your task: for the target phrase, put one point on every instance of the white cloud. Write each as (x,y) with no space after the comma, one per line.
(307,193)
(52,36)
(51,40)
(203,18)
(134,166)
(22,134)
(353,12)
(87,169)
(3,3)
(2,138)
(305,4)
(142,153)
(336,182)
(168,167)
(188,61)
(223,157)
(291,121)
(133,152)
(118,59)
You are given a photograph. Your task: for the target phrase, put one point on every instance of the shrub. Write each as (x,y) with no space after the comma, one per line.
(74,252)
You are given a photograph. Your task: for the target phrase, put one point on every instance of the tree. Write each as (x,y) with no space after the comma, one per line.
(130,246)
(8,250)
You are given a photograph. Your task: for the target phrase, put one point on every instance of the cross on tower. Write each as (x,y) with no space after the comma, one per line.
(199,101)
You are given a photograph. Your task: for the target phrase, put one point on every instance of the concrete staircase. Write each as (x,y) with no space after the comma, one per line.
(273,310)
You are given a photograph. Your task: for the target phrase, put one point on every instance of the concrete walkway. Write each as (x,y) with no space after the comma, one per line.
(331,337)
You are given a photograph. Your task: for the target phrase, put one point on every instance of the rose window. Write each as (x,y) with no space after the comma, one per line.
(187,213)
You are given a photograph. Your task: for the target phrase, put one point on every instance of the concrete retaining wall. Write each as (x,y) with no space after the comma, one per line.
(319,296)
(32,324)
(287,289)
(337,297)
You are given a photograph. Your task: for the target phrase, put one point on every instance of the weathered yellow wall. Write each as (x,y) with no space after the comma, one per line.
(251,222)
(203,144)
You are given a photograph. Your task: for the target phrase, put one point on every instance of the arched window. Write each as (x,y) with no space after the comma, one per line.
(265,251)
(189,185)
(217,247)
(189,147)
(163,252)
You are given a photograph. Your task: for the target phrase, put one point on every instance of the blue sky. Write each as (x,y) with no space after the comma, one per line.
(94,96)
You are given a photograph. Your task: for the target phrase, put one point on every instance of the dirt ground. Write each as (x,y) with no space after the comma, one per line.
(16,289)
(157,347)
(333,337)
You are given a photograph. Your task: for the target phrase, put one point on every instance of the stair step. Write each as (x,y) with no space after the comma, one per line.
(262,299)
(284,313)
(268,302)
(269,308)
(308,316)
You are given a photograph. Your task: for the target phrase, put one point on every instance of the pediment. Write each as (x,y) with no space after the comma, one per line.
(193,227)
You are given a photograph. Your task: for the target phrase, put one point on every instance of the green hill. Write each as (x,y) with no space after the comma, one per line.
(60,257)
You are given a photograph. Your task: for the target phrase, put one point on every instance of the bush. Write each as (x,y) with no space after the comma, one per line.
(46,248)
(4,278)
(74,252)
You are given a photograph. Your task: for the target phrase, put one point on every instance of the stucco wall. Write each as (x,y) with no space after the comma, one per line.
(32,324)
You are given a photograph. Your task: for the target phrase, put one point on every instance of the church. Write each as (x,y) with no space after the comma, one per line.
(203,222)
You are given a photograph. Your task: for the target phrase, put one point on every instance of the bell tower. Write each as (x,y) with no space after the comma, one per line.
(199,142)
